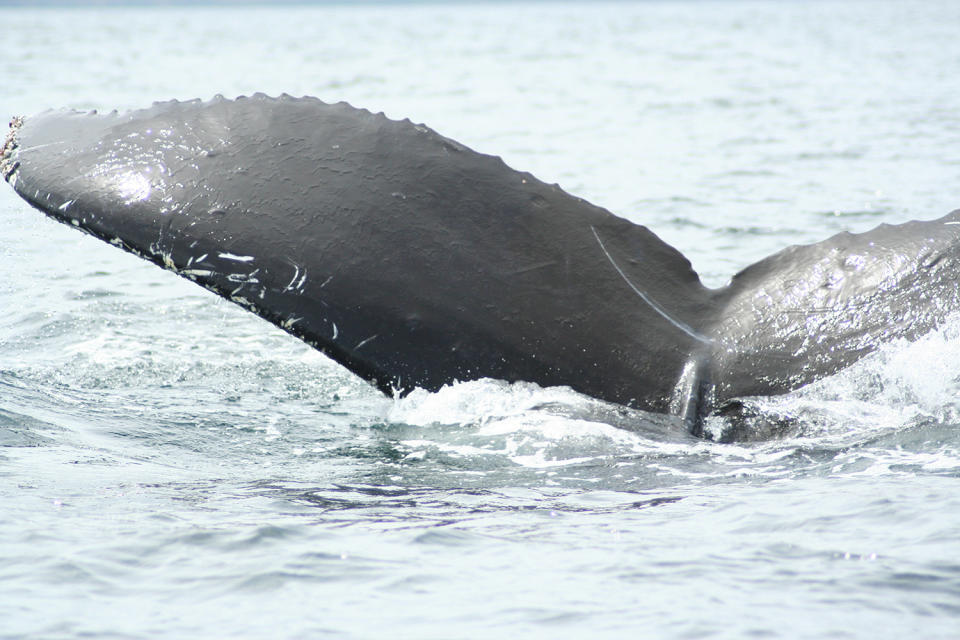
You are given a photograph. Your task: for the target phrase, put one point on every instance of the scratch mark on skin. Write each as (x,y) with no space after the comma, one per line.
(236,258)
(325,282)
(66,205)
(296,282)
(296,274)
(245,278)
(643,296)
(363,342)
(303,279)
(533,267)
(336,331)
(39,146)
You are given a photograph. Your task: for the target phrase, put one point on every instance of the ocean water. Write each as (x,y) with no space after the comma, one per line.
(173,467)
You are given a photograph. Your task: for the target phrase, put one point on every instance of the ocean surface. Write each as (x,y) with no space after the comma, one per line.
(173,467)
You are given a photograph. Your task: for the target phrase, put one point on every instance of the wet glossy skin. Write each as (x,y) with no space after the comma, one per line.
(415,261)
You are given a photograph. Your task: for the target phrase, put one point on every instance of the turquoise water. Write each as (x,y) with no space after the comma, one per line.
(171,466)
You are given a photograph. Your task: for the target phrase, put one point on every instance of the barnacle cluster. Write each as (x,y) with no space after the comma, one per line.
(7,164)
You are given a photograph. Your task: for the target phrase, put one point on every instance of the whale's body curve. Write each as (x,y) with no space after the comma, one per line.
(415,261)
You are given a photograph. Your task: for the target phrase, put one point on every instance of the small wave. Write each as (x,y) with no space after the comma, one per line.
(896,410)
(533,426)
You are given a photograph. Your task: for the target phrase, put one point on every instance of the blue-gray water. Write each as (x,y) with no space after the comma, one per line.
(172,467)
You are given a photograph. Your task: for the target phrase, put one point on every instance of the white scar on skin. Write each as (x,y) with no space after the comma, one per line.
(643,296)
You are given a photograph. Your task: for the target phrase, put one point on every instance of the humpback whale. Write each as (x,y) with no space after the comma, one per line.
(415,261)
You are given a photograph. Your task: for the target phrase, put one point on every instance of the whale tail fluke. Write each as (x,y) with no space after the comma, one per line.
(415,261)
(809,311)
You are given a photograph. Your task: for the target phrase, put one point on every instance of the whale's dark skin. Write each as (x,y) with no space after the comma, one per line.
(415,261)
